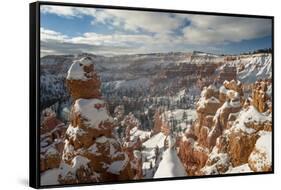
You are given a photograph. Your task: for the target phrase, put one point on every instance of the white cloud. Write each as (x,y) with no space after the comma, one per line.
(67,11)
(139,20)
(141,32)
(111,39)
(203,29)
(128,20)
(218,29)
(106,39)
(53,42)
(60,10)
(46,34)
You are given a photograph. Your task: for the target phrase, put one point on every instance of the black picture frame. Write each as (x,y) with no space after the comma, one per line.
(34,91)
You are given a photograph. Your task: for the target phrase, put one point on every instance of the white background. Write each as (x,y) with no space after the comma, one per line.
(14,95)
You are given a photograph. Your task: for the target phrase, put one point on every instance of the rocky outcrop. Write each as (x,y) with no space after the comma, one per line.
(193,147)
(240,147)
(82,81)
(230,96)
(192,155)
(52,132)
(119,113)
(206,108)
(260,96)
(227,73)
(261,157)
(218,160)
(235,86)
(236,146)
(228,89)
(227,112)
(244,133)
(160,123)
(49,158)
(226,133)
(91,152)
(132,143)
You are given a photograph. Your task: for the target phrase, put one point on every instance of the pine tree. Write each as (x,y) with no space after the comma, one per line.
(184,116)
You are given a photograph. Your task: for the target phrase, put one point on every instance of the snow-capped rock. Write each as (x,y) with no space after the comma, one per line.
(82,80)
(230,138)
(51,142)
(260,159)
(91,152)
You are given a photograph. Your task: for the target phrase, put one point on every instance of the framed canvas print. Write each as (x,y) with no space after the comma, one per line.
(122,94)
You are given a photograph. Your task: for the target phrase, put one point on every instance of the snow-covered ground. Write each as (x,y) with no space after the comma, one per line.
(262,155)
(151,154)
(249,115)
(239,169)
(50,177)
(92,107)
(182,117)
(156,140)
(178,114)
(140,83)
(170,165)
(130,74)
(137,133)
(257,66)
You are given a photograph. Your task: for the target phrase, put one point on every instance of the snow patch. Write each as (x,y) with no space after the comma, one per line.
(239,169)
(76,70)
(117,166)
(74,131)
(156,140)
(170,166)
(93,110)
(101,140)
(76,163)
(262,154)
(50,177)
(247,116)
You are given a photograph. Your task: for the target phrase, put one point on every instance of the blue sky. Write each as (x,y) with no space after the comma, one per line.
(71,30)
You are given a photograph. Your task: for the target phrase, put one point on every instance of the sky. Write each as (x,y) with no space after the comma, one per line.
(73,30)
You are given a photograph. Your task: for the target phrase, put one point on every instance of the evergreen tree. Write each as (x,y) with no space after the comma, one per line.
(184,116)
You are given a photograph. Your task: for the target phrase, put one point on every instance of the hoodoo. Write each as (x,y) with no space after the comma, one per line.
(91,152)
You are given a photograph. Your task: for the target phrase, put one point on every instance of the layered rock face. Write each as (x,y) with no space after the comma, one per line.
(52,132)
(227,132)
(227,73)
(91,152)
